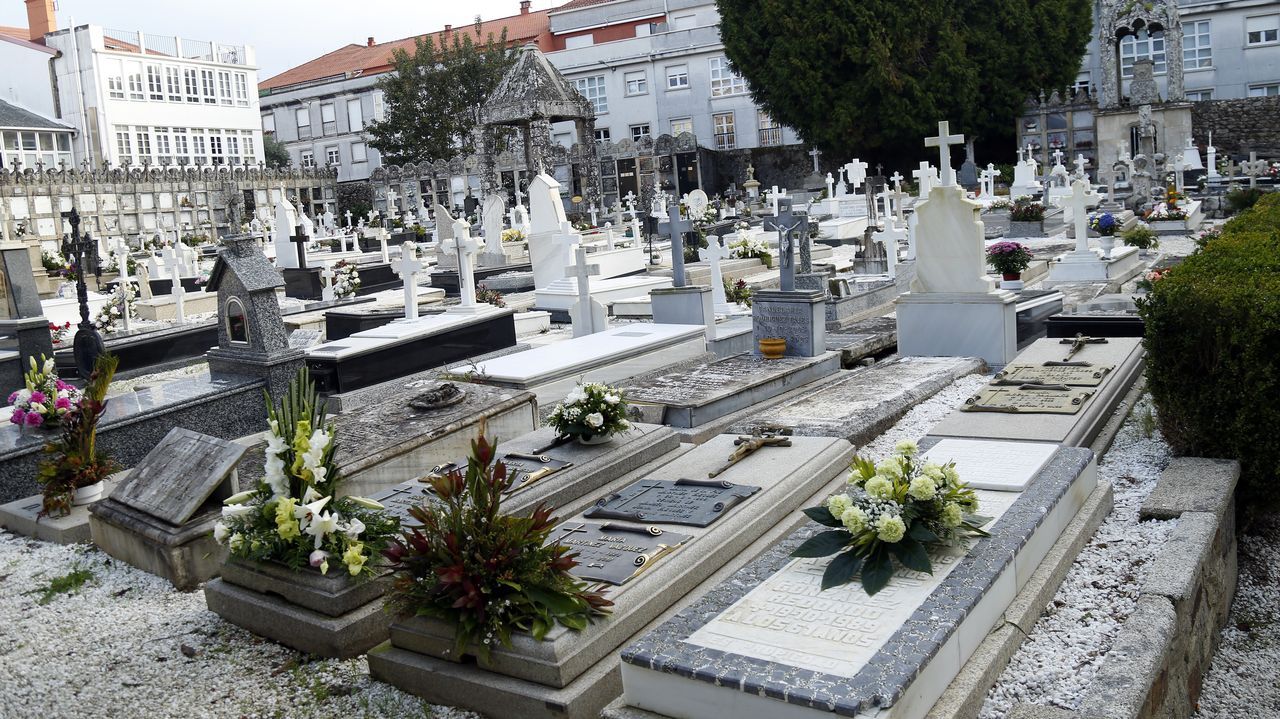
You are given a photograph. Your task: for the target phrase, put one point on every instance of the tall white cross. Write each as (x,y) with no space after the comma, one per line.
(519,195)
(943,142)
(1057,157)
(121,253)
(773,196)
(714,254)
(407,268)
(171,260)
(326,282)
(585,321)
(594,215)
(392,210)
(831,186)
(815,153)
(630,199)
(1179,173)
(989,176)
(856,171)
(924,178)
(463,246)
(1082,198)
(347,214)
(896,178)
(381,234)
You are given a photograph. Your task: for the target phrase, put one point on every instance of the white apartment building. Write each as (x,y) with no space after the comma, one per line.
(158,100)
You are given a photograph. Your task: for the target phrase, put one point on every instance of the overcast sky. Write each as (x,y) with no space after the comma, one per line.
(284,33)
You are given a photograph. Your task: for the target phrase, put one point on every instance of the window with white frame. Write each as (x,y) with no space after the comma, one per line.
(577,41)
(355,116)
(1262,30)
(181,148)
(192,82)
(115,79)
(636,83)
(639,131)
(592,88)
(677,77)
(379,106)
(723,128)
(155,82)
(173,83)
(134,72)
(233,148)
(1082,82)
(124,147)
(1197,45)
(683,124)
(303,117)
(1143,46)
(1199,95)
(770,131)
(724,81)
(164,150)
(332,156)
(1270,89)
(247,146)
(242,89)
(602,134)
(328,118)
(269,122)
(224,87)
(308,159)
(216,155)
(143,136)
(198,152)
(210,90)
(359,152)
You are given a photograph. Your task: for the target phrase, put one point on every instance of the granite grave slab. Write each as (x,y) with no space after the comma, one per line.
(573,674)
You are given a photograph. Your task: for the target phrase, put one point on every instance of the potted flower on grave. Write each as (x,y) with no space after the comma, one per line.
(897,509)
(75,466)
(109,314)
(294,517)
(346,279)
(1105,225)
(485,572)
(1142,237)
(513,234)
(1026,218)
(45,400)
(1009,259)
(592,413)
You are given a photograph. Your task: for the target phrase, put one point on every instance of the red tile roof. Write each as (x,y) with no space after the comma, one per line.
(578,4)
(20,33)
(534,26)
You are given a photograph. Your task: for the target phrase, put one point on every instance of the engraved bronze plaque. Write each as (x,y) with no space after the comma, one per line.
(695,502)
(614,553)
(1069,375)
(1027,400)
(527,469)
(402,497)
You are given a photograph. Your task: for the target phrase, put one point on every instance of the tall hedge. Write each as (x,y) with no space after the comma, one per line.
(1213,351)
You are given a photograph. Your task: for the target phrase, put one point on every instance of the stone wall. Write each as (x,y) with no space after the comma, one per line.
(787,167)
(1239,126)
(1154,669)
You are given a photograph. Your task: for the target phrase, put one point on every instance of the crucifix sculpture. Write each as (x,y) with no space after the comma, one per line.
(943,142)
(87,344)
(748,445)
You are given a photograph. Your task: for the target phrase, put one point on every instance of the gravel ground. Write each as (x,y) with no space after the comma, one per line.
(126,644)
(1060,657)
(1242,684)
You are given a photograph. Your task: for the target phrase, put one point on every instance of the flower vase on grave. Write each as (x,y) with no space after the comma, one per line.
(598,439)
(773,348)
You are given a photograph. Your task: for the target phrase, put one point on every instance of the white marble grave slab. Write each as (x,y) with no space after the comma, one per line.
(992,464)
(427,325)
(789,618)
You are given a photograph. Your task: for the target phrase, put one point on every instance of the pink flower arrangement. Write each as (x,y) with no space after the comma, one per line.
(45,399)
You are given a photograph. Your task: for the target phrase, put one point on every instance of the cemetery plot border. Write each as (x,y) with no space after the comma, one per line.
(663,668)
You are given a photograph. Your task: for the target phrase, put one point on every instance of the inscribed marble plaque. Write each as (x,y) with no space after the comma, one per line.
(694,502)
(184,471)
(789,619)
(614,553)
(1024,399)
(1069,375)
(987,464)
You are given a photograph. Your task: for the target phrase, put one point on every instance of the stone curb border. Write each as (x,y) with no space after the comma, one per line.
(1163,649)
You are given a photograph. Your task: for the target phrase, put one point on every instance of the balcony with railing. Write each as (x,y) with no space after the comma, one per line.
(175,47)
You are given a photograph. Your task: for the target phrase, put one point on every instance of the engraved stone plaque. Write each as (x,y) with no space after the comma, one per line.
(528,469)
(614,553)
(695,502)
(1070,375)
(1025,399)
(402,497)
(183,472)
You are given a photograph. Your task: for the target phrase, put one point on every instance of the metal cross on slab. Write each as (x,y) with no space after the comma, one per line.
(943,142)
(748,445)
(785,224)
(1079,342)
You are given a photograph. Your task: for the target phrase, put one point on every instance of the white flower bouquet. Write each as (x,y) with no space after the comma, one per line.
(893,510)
(749,248)
(122,300)
(294,516)
(591,410)
(346,279)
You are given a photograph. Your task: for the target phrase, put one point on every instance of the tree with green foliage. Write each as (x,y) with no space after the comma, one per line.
(433,98)
(873,77)
(274,152)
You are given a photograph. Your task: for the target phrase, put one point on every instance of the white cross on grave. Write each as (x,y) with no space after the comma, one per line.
(392,210)
(463,247)
(896,178)
(121,253)
(831,186)
(1082,198)
(943,142)
(588,316)
(856,171)
(519,195)
(347,214)
(381,234)
(326,282)
(1080,163)
(630,199)
(1057,157)
(924,178)
(407,269)
(1179,173)
(989,176)
(1253,168)
(898,197)
(594,212)
(773,196)
(608,235)
(815,153)
(714,254)
(171,260)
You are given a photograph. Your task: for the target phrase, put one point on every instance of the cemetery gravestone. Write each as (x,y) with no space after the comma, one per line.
(160,519)
(796,316)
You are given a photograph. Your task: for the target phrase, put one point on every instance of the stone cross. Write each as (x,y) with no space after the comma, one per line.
(630,199)
(1057,157)
(924,177)
(943,142)
(608,235)
(144,280)
(714,254)
(1211,158)
(897,179)
(347,214)
(1179,173)
(831,186)
(774,196)
(594,216)
(586,318)
(988,177)
(300,240)
(1232,168)
(464,246)
(1253,168)
(815,153)
(407,268)
(785,225)
(519,195)
(121,253)
(381,234)
(1082,198)
(392,210)
(326,281)
(1080,163)
(172,262)
(856,170)
(679,226)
